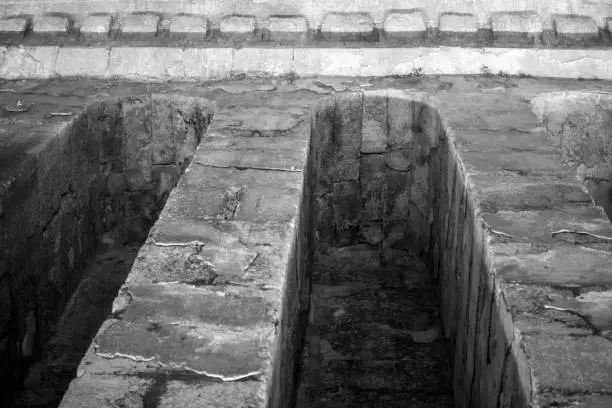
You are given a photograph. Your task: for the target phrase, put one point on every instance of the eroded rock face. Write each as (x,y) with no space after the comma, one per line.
(580,124)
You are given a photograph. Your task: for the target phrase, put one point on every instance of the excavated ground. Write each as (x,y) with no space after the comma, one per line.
(376,332)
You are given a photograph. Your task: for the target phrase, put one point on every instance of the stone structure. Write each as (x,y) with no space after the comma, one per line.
(330,241)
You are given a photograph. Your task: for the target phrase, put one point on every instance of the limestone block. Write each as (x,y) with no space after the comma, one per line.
(244,25)
(289,27)
(458,23)
(374,128)
(192,26)
(516,22)
(13,24)
(49,24)
(139,24)
(405,24)
(82,62)
(349,26)
(96,26)
(579,28)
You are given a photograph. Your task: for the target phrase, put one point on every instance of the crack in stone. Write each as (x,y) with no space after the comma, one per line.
(218,166)
(580,237)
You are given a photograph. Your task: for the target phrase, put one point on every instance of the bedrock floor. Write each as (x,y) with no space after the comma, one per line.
(374,336)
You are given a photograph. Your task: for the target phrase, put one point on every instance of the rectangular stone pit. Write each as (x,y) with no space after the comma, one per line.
(73,215)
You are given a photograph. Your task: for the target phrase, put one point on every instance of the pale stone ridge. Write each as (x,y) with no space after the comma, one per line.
(14,24)
(238,24)
(96,24)
(50,24)
(139,24)
(520,22)
(189,24)
(404,22)
(339,23)
(458,23)
(575,25)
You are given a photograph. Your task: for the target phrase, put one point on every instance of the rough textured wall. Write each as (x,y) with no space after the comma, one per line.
(580,124)
(103,179)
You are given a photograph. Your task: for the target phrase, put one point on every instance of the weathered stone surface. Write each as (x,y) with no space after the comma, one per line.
(188,26)
(517,22)
(82,61)
(33,62)
(399,160)
(345,196)
(347,26)
(568,25)
(374,128)
(372,178)
(279,28)
(238,25)
(47,24)
(258,61)
(14,24)
(405,24)
(140,24)
(96,26)
(458,23)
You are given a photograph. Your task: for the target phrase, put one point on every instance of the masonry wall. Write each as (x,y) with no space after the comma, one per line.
(101,180)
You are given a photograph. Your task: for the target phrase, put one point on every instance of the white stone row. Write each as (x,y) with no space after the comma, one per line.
(335,23)
(151,63)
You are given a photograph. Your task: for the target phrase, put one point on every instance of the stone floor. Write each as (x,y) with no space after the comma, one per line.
(375,339)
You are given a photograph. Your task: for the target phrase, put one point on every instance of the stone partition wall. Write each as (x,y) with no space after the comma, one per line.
(101,180)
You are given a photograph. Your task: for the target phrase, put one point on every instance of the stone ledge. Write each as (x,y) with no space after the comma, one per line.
(162,63)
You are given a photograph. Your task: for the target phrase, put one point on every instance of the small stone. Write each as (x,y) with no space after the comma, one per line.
(51,24)
(516,22)
(237,25)
(13,24)
(405,24)
(458,23)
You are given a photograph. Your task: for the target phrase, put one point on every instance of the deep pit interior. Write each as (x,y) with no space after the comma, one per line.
(389,291)
(75,230)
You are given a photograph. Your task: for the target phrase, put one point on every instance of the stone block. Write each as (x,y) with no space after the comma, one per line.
(242,26)
(13,25)
(90,62)
(286,28)
(575,28)
(409,24)
(516,22)
(96,27)
(341,159)
(372,178)
(431,126)
(139,25)
(188,27)
(403,119)
(51,24)
(345,196)
(457,23)
(207,63)
(28,62)
(374,127)
(348,26)
(399,159)
(137,157)
(516,27)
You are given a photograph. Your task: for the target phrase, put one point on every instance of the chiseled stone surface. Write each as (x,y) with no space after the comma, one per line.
(521,253)
(142,24)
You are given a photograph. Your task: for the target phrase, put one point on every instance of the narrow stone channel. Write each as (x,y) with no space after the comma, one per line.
(374,336)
